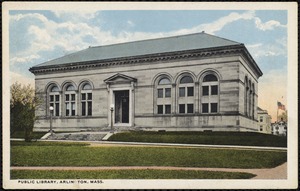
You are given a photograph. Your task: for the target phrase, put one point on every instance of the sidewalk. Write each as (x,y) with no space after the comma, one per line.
(279,172)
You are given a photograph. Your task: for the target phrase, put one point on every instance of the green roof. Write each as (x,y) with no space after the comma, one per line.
(143,47)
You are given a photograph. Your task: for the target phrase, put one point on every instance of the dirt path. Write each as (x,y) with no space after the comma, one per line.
(279,172)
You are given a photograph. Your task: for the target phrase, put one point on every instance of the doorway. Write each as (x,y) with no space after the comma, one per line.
(121,106)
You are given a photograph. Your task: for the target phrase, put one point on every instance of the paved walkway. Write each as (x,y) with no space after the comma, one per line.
(279,172)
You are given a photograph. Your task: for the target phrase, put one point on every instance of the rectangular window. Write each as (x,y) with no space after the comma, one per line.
(83,106)
(67,109)
(83,96)
(205,108)
(261,119)
(190,91)
(182,92)
(160,93)
(56,97)
(56,109)
(204,90)
(167,109)
(213,107)
(51,97)
(67,97)
(160,109)
(86,104)
(214,90)
(89,108)
(168,92)
(89,96)
(73,108)
(73,97)
(190,108)
(181,108)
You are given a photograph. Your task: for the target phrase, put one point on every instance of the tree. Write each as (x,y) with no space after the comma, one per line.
(22,109)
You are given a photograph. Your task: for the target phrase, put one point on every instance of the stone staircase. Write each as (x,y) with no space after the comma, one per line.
(82,136)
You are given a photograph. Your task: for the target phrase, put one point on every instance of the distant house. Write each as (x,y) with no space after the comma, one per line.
(264,121)
(189,82)
(279,128)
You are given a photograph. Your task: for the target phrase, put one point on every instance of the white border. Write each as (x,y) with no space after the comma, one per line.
(291,7)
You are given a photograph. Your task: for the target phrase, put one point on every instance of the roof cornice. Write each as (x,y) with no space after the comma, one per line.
(144,59)
(248,56)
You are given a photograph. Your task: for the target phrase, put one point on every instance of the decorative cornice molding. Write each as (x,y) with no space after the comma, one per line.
(182,55)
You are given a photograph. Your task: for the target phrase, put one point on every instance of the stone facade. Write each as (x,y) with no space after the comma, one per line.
(264,121)
(201,89)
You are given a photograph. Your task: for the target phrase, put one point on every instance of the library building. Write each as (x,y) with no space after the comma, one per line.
(194,82)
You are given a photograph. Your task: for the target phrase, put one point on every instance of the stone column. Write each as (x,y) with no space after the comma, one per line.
(196,97)
(132,104)
(174,98)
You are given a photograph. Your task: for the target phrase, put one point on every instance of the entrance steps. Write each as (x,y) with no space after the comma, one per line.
(80,136)
(107,136)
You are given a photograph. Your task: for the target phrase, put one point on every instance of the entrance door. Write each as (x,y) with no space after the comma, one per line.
(122,106)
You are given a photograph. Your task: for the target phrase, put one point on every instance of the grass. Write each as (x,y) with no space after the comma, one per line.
(20,135)
(35,134)
(75,154)
(47,144)
(127,174)
(211,138)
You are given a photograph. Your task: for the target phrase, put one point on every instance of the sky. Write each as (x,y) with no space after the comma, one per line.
(36,36)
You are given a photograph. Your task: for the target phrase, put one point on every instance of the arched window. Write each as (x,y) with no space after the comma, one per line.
(87,87)
(54,100)
(210,94)
(86,100)
(164,92)
(164,81)
(249,98)
(54,89)
(253,100)
(246,95)
(186,80)
(70,100)
(210,78)
(186,95)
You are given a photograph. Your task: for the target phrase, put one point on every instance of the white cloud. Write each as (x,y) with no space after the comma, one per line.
(220,23)
(74,15)
(265,50)
(269,25)
(254,45)
(19,17)
(39,34)
(26,59)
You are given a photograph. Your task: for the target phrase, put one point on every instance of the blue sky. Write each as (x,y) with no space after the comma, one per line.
(40,35)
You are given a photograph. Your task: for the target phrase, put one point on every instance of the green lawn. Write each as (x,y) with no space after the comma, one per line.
(62,154)
(48,143)
(127,174)
(211,138)
(20,135)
